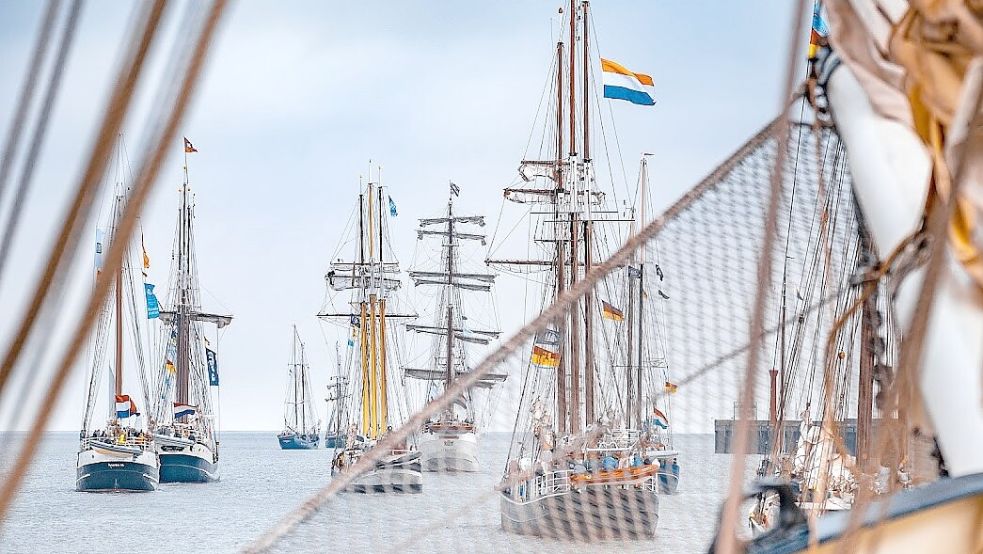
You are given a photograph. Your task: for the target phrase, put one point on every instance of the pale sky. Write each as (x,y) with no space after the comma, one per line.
(299,96)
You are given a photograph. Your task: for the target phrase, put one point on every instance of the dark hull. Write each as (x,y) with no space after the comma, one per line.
(334,441)
(669,482)
(116,476)
(398,488)
(595,513)
(296,442)
(184,468)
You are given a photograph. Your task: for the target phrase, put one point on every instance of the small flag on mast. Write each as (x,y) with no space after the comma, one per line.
(610,312)
(146,258)
(125,407)
(211,360)
(392,207)
(671,388)
(188,147)
(455,190)
(153,306)
(544,357)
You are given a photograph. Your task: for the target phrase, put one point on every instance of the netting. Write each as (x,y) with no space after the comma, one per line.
(615,446)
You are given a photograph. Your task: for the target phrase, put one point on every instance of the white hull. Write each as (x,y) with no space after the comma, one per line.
(100,469)
(458,452)
(395,473)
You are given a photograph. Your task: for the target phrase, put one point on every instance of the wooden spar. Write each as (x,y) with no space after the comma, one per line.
(574,332)
(119,332)
(868,353)
(371,228)
(366,379)
(573,73)
(588,333)
(450,291)
(561,374)
(294,374)
(630,371)
(373,371)
(303,387)
(640,381)
(383,391)
(450,344)
(584,97)
(639,316)
(588,234)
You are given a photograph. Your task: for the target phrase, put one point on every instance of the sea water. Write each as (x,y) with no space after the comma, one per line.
(261,483)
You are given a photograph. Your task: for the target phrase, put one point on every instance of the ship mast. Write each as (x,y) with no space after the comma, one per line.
(119,318)
(182,308)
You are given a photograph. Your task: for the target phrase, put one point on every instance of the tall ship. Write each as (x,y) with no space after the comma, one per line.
(362,297)
(335,402)
(119,454)
(300,424)
(184,409)
(589,456)
(449,441)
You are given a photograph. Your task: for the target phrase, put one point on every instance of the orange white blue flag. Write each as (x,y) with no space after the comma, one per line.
(622,84)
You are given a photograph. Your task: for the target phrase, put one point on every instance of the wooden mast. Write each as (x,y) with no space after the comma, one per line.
(639,381)
(868,352)
(373,343)
(561,373)
(450,291)
(119,320)
(588,238)
(574,232)
(383,400)
(363,308)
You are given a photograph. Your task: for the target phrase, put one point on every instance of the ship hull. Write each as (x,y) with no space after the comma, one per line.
(187,468)
(296,442)
(399,473)
(450,453)
(594,513)
(669,480)
(99,472)
(334,441)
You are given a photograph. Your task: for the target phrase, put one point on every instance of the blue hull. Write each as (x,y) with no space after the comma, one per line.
(669,481)
(295,442)
(182,468)
(334,441)
(116,476)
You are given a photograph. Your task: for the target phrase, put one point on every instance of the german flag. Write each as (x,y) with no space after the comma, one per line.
(671,388)
(188,147)
(545,358)
(610,312)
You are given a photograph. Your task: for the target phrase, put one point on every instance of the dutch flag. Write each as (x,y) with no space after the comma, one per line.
(125,407)
(181,410)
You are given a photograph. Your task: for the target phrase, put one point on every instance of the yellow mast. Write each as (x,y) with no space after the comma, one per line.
(373,372)
(363,345)
(383,393)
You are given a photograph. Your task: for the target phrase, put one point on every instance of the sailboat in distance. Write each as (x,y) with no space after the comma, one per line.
(300,423)
(118,455)
(370,314)
(187,433)
(336,404)
(450,440)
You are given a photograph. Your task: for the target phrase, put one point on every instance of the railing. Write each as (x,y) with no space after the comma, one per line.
(139,441)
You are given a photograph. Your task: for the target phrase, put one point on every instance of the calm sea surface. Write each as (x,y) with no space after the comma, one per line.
(260,483)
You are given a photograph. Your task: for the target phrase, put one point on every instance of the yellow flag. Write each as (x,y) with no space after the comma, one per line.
(146,258)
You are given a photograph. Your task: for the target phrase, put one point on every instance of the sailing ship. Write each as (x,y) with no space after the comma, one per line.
(334,433)
(450,440)
(584,465)
(300,423)
(119,455)
(371,314)
(187,434)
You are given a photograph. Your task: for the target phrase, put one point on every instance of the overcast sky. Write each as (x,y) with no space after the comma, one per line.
(299,96)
